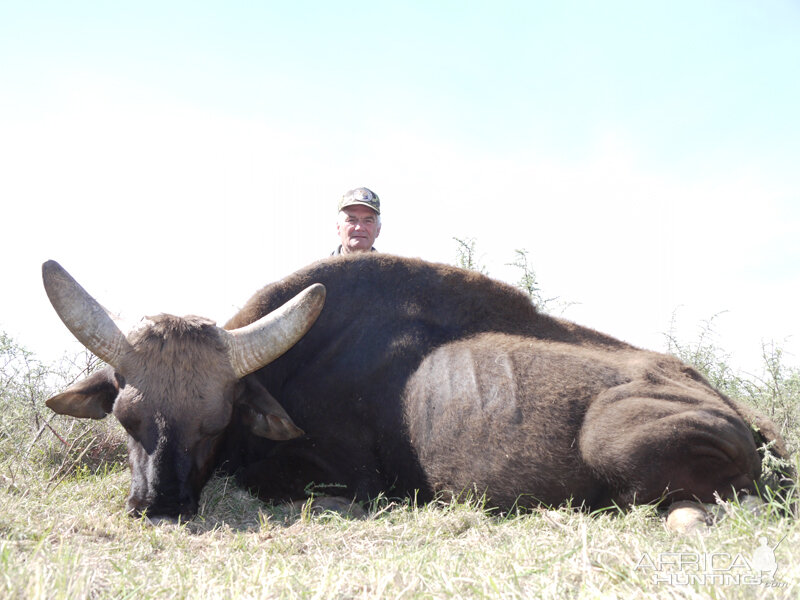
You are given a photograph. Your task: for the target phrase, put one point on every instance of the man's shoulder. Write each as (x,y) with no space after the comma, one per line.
(338,251)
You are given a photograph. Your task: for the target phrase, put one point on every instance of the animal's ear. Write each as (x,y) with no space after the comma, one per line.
(264,415)
(91,398)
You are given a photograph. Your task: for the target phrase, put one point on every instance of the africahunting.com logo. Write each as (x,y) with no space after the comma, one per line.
(757,568)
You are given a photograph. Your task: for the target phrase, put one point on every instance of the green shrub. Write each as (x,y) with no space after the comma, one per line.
(32,438)
(774,391)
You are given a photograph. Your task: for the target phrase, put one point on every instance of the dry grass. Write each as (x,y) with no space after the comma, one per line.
(72,540)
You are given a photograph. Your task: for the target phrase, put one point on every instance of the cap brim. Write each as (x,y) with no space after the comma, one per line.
(377,211)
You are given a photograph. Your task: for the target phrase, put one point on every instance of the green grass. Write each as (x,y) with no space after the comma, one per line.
(64,534)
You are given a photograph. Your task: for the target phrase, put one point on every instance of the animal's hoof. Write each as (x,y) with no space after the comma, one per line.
(687,517)
(753,504)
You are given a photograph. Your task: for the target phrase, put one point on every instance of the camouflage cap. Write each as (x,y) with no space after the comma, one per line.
(363,196)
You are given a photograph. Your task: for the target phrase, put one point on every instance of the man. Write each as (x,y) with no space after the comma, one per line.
(359,221)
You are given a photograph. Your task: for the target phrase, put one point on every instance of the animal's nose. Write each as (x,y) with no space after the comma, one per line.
(160,519)
(163,511)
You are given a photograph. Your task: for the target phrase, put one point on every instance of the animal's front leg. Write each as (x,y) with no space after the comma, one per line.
(299,472)
(286,478)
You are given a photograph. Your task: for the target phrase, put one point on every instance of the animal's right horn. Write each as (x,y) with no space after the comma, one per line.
(89,322)
(258,344)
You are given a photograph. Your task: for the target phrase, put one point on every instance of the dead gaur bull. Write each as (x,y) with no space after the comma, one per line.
(415,380)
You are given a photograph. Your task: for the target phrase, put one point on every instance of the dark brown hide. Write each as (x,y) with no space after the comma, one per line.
(596,425)
(418,379)
(423,379)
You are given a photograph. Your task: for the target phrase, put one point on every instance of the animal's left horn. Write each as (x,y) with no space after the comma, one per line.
(258,344)
(89,322)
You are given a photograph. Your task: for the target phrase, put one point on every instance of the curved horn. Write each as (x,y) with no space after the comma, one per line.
(89,322)
(258,344)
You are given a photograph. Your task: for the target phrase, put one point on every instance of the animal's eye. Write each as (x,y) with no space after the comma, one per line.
(214,424)
(209,430)
(127,417)
(132,427)
(127,421)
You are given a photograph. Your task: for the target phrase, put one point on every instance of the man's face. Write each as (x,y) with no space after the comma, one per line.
(358,227)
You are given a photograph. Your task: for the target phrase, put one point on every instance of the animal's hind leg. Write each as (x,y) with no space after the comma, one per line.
(644,448)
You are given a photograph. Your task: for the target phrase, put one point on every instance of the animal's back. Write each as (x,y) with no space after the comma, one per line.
(376,290)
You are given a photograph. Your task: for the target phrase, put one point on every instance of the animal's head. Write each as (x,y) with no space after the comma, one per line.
(172,384)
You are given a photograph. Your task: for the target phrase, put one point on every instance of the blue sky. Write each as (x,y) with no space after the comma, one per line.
(176,156)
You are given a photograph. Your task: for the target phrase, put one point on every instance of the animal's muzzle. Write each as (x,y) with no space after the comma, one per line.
(182,507)
(163,484)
